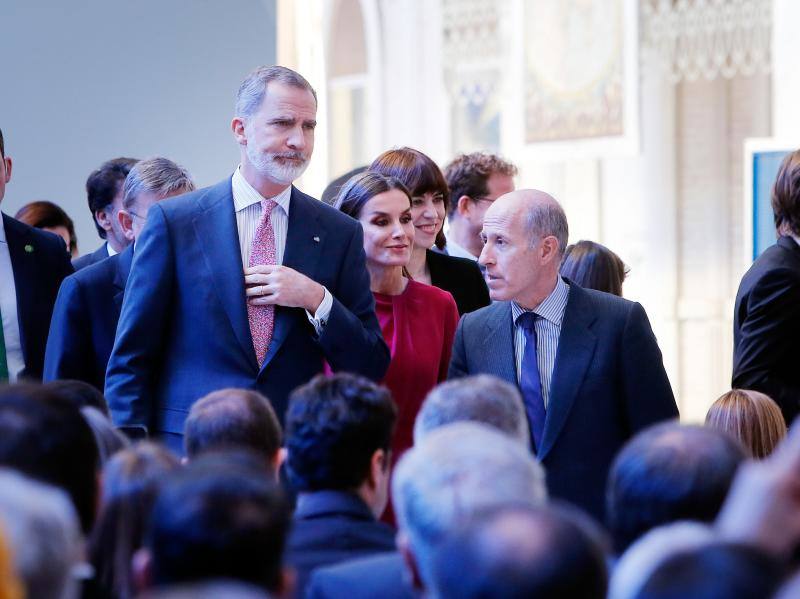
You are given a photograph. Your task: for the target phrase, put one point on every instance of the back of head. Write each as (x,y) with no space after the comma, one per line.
(331,191)
(45,437)
(107,437)
(715,571)
(752,417)
(43,533)
(482,398)
(233,418)
(158,176)
(79,393)
(215,520)
(786,196)
(418,172)
(468,175)
(104,184)
(666,473)
(334,425)
(456,471)
(594,266)
(43,214)
(518,552)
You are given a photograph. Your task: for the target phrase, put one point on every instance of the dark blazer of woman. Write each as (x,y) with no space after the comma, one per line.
(461,277)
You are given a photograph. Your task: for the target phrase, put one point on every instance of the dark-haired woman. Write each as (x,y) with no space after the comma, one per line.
(418,321)
(594,266)
(50,217)
(429,200)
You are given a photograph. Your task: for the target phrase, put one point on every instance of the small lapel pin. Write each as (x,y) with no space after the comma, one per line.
(316,239)
(29,248)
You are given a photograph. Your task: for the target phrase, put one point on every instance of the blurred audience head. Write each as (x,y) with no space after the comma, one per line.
(594,266)
(234,418)
(149,181)
(786,196)
(521,552)
(218,520)
(109,440)
(427,186)
(213,589)
(131,479)
(331,191)
(481,398)
(11,586)
(79,393)
(453,473)
(50,217)
(666,473)
(104,192)
(43,534)
(752,417)
(338,434)
(46,438)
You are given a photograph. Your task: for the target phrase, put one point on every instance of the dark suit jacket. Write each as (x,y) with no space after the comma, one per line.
(766,327)
(461,277)
(183,331)
(381,576)
(40,262)
(608,383)
(96,256)
(85,321)
(331,527)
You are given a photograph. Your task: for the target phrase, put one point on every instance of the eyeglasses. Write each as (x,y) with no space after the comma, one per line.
(483,200)
(132,213)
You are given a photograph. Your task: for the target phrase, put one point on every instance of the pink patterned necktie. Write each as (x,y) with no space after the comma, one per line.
(262,318)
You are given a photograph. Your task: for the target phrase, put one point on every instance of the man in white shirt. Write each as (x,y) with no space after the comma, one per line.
(249,283)
(32,265)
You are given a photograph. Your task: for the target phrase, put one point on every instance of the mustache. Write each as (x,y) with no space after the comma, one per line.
(290,155)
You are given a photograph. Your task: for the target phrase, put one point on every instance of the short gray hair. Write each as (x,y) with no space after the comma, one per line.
(43,533)
(482,398)
(155,175)
(254,87)
(548,218)
(456,471)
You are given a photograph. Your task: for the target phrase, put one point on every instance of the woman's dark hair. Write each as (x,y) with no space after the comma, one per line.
(418,173)
(131,479)
(362,187)
(41,214)
(786,195)
(594,266)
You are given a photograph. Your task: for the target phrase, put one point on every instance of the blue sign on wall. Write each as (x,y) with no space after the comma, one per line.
(765,166)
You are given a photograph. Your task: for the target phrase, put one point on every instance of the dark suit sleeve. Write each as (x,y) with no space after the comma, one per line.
(458,359)
(767,336)
(352,339)
(68,345)
(648,394)
(136,357)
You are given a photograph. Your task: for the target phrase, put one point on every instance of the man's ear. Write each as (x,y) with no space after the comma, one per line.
(142,570)
(277,461)
(9,165)
(410,562)
(378,464)
(463,205)
(126,222)
(237,126)
(550,250)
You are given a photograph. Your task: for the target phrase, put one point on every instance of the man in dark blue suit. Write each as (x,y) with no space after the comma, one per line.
(587,363)
(88,305)
(32,265)
(104,193)
(249,283)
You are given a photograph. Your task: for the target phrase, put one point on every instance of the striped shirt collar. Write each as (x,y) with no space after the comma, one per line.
(245,195)
(552,308)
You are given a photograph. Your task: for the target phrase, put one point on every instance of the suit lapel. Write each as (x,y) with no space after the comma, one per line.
(304,240)
(22,251)
(576,346)
(218,237)
(121,271)
(499,343)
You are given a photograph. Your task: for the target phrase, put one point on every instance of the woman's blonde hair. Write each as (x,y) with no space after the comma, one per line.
(752,417)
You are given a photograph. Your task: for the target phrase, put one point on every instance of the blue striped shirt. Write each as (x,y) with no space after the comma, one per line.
(548,330)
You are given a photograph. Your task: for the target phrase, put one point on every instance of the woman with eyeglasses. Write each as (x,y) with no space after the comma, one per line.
(429,199)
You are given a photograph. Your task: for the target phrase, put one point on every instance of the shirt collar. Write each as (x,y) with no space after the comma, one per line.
(552,307)
(245,195)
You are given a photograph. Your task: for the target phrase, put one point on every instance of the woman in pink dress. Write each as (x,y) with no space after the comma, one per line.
(418,321)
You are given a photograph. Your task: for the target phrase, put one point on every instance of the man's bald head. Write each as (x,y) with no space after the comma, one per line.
(536,211)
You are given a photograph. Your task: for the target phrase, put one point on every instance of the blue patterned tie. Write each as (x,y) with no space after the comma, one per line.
(529,382)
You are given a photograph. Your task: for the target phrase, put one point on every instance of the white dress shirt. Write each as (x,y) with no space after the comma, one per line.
(111,251)
(8,308)
(247,204)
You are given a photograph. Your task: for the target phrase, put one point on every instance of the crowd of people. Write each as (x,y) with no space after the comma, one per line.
(248,392)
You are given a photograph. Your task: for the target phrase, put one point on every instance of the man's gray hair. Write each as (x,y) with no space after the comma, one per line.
(457,471)
(42,530)
(548,218)
(156,175)
(254,87)
(481,398)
